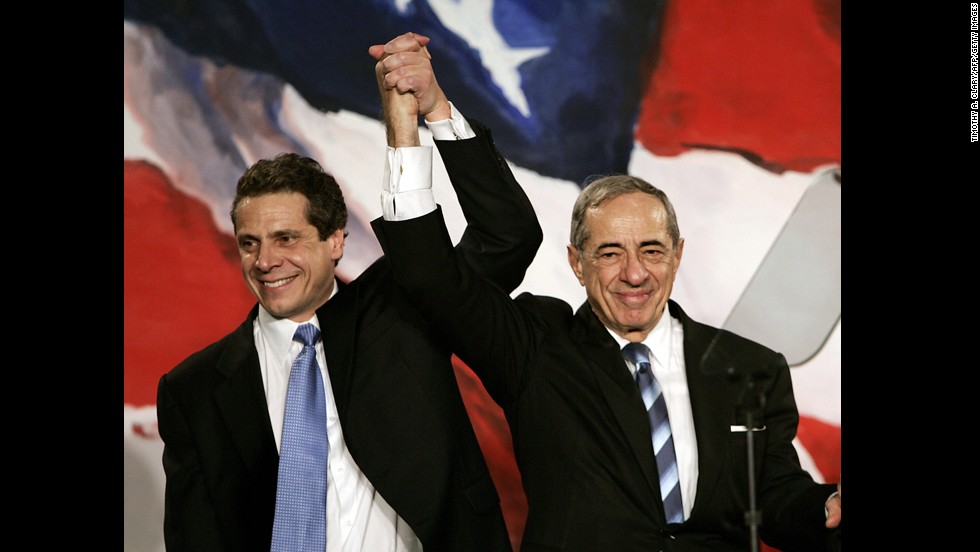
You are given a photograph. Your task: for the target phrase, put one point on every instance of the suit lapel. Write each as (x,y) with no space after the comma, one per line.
(619,391)
(338,318)
(706,362)
(241,396)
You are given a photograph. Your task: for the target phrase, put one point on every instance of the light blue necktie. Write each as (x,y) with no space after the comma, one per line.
(663,441)
(301,494)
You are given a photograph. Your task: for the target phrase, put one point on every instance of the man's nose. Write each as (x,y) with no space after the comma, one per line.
(267,258)
(634,271)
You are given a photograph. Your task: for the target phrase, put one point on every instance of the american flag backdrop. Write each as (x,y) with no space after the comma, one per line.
(733,107)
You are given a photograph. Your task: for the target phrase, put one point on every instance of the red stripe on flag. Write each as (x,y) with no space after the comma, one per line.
(493,433)
(822,441)
(182,284)
(759,78)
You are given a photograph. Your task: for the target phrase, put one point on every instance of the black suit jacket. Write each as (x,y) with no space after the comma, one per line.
(403,418)
(580,430)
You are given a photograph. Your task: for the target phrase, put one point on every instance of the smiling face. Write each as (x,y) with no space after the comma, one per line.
(628,263)
(286,265)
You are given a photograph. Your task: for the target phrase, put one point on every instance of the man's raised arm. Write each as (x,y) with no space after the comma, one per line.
(502,234)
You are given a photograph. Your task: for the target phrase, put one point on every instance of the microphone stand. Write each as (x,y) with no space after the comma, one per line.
(751,400)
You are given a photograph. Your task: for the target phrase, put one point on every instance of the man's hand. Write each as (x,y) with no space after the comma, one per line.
(400,110)
(404,65)
(833,509)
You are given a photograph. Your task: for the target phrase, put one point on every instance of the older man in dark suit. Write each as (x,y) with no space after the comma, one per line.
(628,417)
(405,470)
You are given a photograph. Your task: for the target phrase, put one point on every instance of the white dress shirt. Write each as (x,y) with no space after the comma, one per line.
(358,517)
(407,189)
(666,343)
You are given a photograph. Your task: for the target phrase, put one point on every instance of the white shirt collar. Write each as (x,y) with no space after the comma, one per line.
(279,332)
(658,341)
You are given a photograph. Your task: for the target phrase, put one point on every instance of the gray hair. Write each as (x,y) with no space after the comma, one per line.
(604,188)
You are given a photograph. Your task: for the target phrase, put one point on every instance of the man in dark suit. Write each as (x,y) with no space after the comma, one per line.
(584,434)
(405,468)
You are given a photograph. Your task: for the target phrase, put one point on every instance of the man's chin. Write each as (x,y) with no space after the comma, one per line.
(636,324)
(277,309)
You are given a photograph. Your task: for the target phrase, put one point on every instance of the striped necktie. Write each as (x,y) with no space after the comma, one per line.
(663,441)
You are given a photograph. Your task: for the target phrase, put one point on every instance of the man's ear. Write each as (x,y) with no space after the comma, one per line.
(336,240)
(678,254)
(575,261)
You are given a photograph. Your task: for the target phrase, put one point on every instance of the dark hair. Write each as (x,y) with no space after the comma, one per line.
(290,172)
(603,188)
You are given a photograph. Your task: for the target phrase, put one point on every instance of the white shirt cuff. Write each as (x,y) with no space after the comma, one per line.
(826,512)
(456,128)
(407,188)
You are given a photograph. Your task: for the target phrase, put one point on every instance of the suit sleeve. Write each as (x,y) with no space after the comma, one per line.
(492,333)
(502,232)
(190,522)
(791,504)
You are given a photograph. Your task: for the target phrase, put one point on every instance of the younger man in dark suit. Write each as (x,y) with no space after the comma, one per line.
(646,452)
(405,470)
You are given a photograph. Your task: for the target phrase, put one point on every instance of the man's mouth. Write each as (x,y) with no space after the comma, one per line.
(278,283)
(633,297)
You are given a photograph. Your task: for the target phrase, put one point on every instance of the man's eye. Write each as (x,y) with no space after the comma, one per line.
(607,258)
